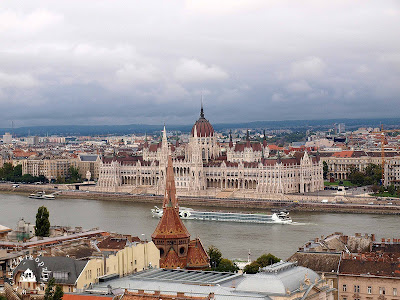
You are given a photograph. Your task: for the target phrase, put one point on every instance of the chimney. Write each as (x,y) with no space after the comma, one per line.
(156,293)
(373,237)
(180,295)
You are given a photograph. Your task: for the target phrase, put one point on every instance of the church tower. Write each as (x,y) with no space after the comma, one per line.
(171,236)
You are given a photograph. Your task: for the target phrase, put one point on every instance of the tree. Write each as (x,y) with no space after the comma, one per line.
(325,169)
(53,291)
(42,222)
(226,265)
(74,175)
(267,259)
(375,188)
(391,189)
(215,257)
(261,262)
(58,294)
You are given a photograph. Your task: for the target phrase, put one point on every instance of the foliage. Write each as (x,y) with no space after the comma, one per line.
(261,262)
(375,188)
(42,222)
(218,263)
(72,177)
(390,191)
(371,175)
(343,183)
(227,265)
(3,297)
(325,169)
(10,173)
(53,291)
(215,256)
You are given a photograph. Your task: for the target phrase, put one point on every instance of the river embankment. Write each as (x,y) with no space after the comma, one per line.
(290,202)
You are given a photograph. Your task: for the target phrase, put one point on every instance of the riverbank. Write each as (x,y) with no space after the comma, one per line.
(308,203)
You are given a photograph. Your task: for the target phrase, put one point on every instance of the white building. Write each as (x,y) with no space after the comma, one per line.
(7,138)
(200,169)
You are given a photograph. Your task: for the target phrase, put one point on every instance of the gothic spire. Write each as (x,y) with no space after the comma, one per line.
(201,110)
(170,189)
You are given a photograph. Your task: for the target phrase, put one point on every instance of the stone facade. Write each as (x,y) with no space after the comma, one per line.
(246,168)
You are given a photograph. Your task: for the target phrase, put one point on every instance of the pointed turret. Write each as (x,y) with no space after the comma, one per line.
(264,139)
(248,139)
(146,144)
(201,110)
(164,135)
(170,189)
(230,139)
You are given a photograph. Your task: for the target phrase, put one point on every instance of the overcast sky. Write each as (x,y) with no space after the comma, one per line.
(124,62)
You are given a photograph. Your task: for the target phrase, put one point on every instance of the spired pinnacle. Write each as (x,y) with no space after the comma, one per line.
(201,110)
(170,189)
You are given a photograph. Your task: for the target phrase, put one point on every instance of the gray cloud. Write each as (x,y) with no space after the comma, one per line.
(127,62)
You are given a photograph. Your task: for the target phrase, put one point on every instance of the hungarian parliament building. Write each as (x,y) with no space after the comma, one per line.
(243,169)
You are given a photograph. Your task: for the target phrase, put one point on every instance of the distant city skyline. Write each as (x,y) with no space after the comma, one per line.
(134,62)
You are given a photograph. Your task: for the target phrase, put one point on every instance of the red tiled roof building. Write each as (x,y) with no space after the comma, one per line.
(171,236)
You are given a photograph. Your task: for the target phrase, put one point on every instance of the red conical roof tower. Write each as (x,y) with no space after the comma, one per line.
(171,236)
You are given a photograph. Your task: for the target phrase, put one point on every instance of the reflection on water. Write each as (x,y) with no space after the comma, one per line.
(233,239)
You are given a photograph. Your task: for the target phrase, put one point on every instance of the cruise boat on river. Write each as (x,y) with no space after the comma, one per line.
(42,195)
(279,217)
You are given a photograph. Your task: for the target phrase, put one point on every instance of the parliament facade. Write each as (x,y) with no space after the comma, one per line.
(244,169)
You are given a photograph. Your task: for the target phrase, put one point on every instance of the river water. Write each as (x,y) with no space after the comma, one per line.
(233,239)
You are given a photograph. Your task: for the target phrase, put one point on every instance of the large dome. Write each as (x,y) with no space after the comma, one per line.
(203,127)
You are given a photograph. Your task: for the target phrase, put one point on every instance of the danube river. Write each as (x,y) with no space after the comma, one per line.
(233,239)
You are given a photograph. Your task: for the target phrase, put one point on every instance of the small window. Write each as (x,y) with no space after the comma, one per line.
(344,288)
(356,289)
(394,291)
(382,291)
(369,290)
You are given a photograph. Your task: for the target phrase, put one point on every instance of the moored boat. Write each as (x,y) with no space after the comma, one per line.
(42,195)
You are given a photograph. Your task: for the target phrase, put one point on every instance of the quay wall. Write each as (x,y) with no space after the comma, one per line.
(336,204)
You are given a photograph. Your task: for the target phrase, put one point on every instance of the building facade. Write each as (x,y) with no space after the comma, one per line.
(203,169)
(369,276)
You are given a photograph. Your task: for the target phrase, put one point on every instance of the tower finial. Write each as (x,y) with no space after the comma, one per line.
(201,110)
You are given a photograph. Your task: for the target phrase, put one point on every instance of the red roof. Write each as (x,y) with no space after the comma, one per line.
(203,126)
(85,297)
(343,154)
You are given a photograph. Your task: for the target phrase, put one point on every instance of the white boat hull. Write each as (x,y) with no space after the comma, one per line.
(190,214)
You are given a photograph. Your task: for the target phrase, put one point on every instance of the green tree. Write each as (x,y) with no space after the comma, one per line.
(261,262)
(3,297)
(226,265)
(267,259)
(53,291)
(58,294)
(42,222)
(74,175)
(215,257)
(17,171)
(325,169)
(381,190)
(391,189)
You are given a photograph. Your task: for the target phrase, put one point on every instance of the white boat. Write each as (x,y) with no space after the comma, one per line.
(281,217)
(42,195)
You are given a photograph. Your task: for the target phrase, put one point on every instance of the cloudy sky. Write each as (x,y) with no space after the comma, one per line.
(124,62)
